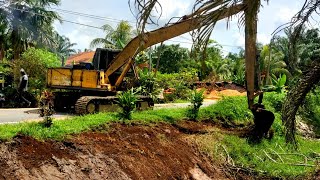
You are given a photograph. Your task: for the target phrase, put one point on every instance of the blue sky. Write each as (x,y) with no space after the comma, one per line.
(272,15)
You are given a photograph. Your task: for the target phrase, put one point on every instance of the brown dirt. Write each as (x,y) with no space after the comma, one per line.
(161,151)
(216,91)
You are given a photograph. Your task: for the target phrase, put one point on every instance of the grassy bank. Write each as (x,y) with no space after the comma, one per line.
(272,158)
(74,125)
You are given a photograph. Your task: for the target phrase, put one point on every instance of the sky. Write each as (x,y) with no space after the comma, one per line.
(271,16)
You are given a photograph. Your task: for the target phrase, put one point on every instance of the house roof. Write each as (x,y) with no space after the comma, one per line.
(81,57)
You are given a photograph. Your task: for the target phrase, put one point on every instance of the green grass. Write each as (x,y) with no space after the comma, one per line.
(74,125)
(264,157)
(225,110)
(231,110)
(59,129)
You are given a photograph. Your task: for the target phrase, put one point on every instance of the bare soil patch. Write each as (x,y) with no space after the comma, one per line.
(158,151)
(219,89)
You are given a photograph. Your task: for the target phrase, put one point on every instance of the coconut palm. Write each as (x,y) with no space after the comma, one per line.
(309,79)
(115,38)
(290,47)
(208,10)
(3,37)
(63,47)
(272,64)
(29,23)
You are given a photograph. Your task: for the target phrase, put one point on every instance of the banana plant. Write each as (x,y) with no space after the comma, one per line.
(278,84)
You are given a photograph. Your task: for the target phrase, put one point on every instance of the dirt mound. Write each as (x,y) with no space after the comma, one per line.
(219,89)
(160,151)
(218,94)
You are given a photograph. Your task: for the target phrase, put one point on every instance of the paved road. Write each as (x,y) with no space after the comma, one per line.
(23,114)
(29,114)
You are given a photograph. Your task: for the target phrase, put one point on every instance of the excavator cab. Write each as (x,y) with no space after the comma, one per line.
(103,57)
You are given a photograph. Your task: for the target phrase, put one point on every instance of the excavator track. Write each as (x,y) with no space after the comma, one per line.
(81,104)
(90,104)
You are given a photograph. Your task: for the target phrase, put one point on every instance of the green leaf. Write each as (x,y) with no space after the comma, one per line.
(283,80)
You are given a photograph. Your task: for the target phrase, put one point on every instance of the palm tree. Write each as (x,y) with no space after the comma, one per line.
(3,37)
(63,47)
(29,23)
(309,79)
(272,64)
(115,38)
(205,9)
(290,48)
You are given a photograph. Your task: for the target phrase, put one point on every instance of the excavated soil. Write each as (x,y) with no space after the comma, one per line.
(160,151)
(216,91)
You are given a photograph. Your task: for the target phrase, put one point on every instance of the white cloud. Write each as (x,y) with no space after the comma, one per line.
(174,8)
(263,38)
(80,38)
(270,17)
(238,38)
(284,14)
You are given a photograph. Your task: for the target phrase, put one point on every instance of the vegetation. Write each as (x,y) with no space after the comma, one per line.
(267,158)
(288,65)
(115,38)
(35,62)
(196,99)
(127,102)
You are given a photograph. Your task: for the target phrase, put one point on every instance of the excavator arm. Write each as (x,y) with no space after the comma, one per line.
(136,45)
(163,34)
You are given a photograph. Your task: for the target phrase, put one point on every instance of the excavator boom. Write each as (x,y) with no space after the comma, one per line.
(93,89)
(163,34)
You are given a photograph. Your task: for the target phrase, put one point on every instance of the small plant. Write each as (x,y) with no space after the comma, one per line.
(149,85)
(46,108)
(127,102)
(196,102)
(278,84)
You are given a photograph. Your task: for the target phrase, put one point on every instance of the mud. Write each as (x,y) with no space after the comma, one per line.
(161,151)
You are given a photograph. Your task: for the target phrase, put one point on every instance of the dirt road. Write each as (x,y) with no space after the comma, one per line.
(28,114)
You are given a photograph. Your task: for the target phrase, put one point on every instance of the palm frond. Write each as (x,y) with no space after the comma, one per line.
(100,41)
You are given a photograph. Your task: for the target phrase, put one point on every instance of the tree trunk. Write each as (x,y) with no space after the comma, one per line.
(1,52)
(250,46)
(16,43)
(62,61)
(295,98)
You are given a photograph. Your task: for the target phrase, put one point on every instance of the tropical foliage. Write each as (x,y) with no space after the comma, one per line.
(115,38)
(35,62)
(127,102)
(63,47)
(26,24)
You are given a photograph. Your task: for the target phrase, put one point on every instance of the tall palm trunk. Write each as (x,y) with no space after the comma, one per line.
(1,52)
(15,40)
(250,46)
(295,98)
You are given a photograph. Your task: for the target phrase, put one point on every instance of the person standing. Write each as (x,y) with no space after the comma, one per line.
(23,86)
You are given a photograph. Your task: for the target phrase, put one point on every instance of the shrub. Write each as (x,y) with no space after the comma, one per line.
(46,108)
(127,102)
(181,82)
(196,102)
(229,110)
(274,100)
(35,62)
(149,85)
(310,111)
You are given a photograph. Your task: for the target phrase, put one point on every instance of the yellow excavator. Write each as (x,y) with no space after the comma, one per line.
(90,88)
